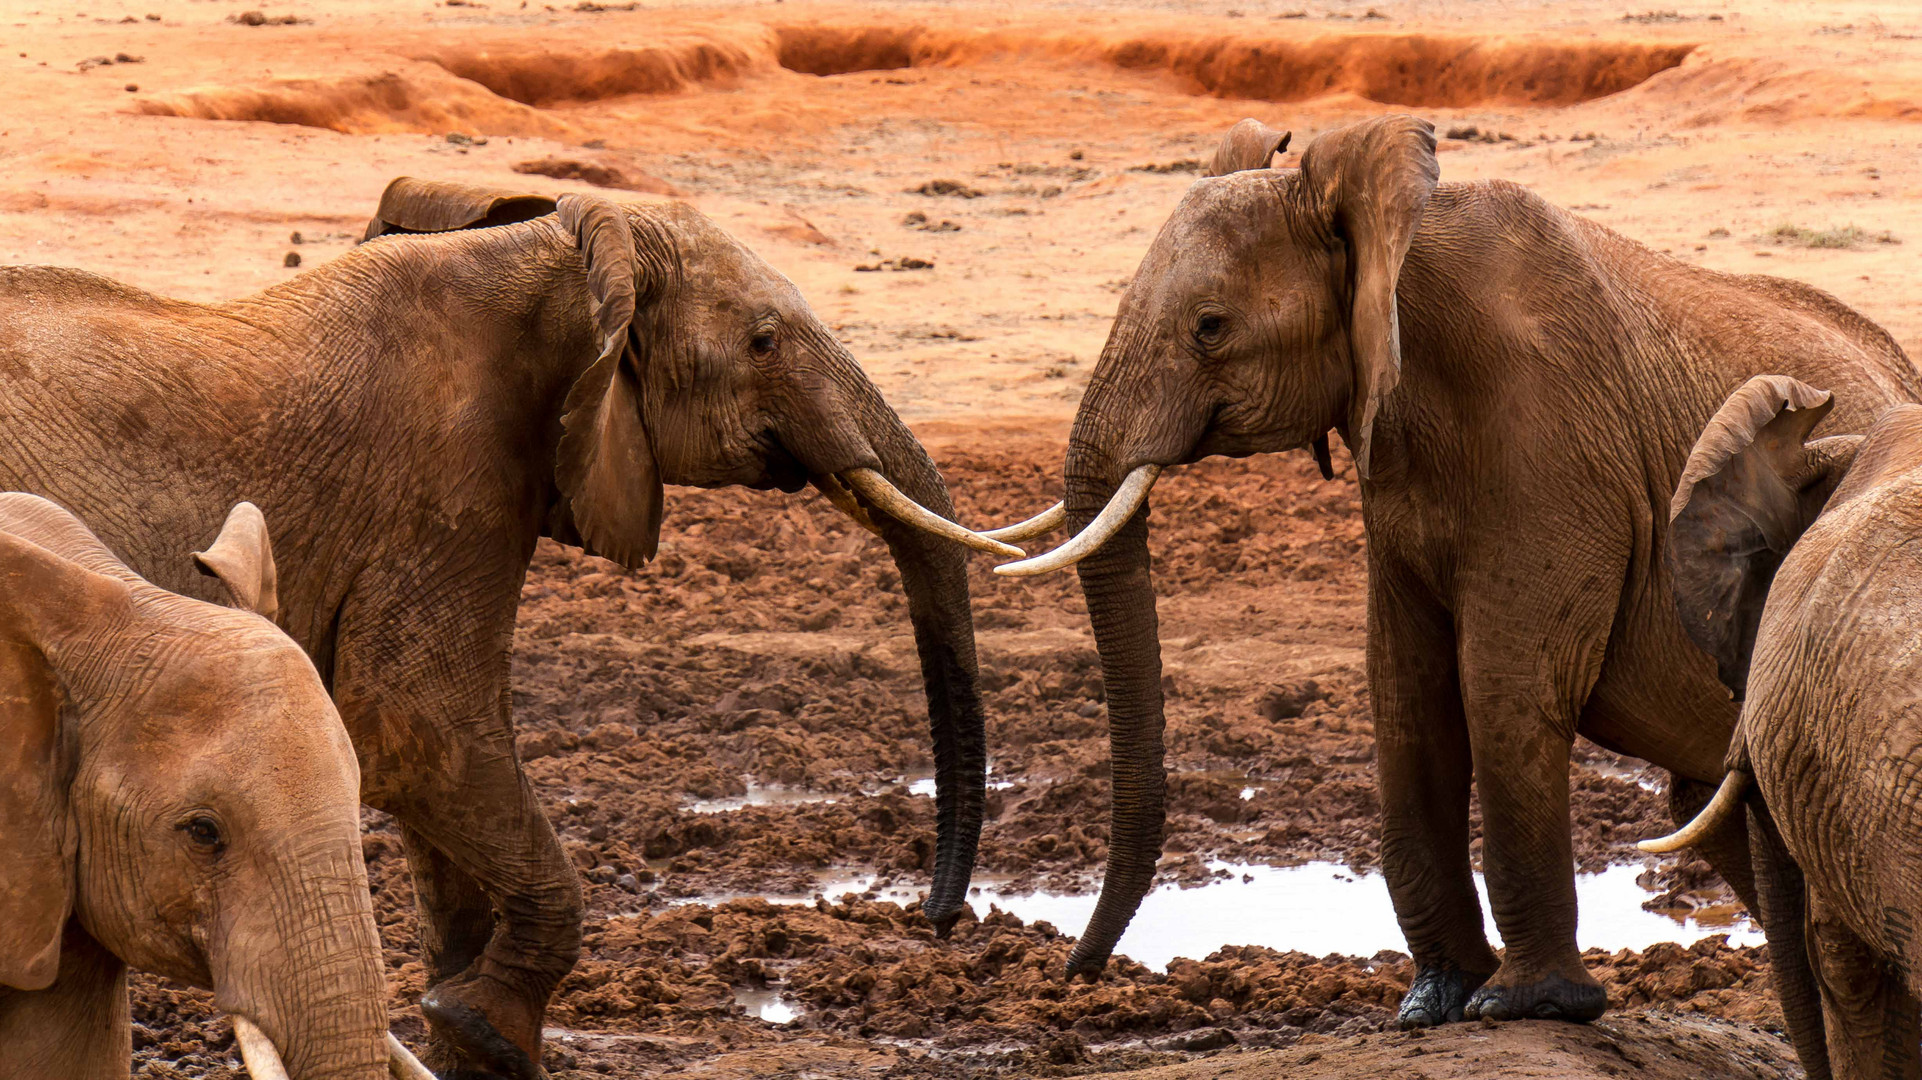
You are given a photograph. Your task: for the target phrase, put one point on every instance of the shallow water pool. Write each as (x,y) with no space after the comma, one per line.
(1317,908)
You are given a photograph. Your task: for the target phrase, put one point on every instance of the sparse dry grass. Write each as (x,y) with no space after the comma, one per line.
(1845,238)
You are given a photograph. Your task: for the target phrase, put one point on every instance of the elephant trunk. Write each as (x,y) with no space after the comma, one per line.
(1119,589)
(934,577)
(301,972)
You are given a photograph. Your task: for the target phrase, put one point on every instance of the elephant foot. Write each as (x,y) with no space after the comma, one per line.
(1555,997)
(1437,996)
(465,1014)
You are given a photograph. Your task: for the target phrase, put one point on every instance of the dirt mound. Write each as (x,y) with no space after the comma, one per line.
(1432,70)
(1651,1046)
(417,98)
(537,75)
(1718,90)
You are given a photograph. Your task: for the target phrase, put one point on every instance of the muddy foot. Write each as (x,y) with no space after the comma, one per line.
(487,1054)
(1553,998)
(1436,997)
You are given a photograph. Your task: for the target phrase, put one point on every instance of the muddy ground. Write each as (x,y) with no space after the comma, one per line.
(769,643)
(962,189)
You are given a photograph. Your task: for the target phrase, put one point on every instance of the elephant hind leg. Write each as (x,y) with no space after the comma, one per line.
(1869,1016)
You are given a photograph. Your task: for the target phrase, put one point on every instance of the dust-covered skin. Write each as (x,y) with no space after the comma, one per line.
(180,798)
(412,418)
(1520,387)
(1793,561)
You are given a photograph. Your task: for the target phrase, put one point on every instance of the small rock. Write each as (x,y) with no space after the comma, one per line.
(295,238)
(293,257)
(133,88)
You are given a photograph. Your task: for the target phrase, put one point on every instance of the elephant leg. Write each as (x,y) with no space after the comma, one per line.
(424,697)
(1521,774)
(1869,1017)
(1783,909)
(1422,745)
(76,1029)
(487,829)
(456,917)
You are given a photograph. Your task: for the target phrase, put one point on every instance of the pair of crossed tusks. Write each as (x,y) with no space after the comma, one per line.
(263,1061)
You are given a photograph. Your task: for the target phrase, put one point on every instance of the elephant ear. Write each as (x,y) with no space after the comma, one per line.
(243,559)
(1250,144)
(609,484)
(430,206)
(1751,487)
(1370,182)
(45,601)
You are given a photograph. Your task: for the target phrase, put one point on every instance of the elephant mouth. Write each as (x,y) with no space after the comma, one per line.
(780,469)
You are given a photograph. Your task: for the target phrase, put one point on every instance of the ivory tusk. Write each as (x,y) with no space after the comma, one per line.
(875,488)
(403,1064)
(1127,499)
(1727,798)
(843,500)
(257,1050)
(1041,524)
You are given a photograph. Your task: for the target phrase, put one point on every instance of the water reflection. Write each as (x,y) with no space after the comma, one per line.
(1317,908)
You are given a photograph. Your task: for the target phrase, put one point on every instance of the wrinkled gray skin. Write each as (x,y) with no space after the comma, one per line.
(1520,388)
(399,415)
(177,795)
(1795,559)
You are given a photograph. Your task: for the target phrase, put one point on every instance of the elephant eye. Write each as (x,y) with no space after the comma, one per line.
(204,831)
(762,344)
(1210,327)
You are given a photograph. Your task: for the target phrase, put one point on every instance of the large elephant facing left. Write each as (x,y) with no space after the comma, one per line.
(413,417)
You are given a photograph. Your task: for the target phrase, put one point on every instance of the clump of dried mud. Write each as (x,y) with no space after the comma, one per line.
(769,645)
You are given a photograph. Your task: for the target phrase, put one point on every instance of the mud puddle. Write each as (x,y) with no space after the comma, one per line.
(1316,908)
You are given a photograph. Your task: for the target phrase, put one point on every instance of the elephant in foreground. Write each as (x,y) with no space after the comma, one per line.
(413,416)
(177,794)
(1796,567)
(1519,388)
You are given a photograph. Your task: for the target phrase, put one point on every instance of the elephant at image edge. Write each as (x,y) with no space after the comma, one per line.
(1519,388)
(178,795)
(1795,566)
(413,416)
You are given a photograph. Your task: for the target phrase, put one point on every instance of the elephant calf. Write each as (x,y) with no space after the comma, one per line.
(1796,565)
(177,794)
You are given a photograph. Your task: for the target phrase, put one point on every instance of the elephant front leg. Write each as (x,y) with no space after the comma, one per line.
(1521,773)
(500,915)
(1423,753)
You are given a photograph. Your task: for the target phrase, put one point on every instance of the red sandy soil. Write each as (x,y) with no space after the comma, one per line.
(1028,152)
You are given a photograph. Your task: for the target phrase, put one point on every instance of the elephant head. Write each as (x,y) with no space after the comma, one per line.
(1262,317)
(1753,484)
(709,369)
(177,795)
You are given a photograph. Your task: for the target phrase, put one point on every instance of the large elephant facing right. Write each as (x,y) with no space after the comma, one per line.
(1520,388)
(1797,561)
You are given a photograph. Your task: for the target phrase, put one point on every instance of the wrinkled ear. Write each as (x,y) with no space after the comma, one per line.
(605,468)
(44,600)
(243,559)
(1751,487)
(1250,144)
(1371,181)
(430,206)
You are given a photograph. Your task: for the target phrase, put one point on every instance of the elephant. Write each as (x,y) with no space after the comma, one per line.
(488,368)
(177,795)
(1792,560)
(1519,388)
